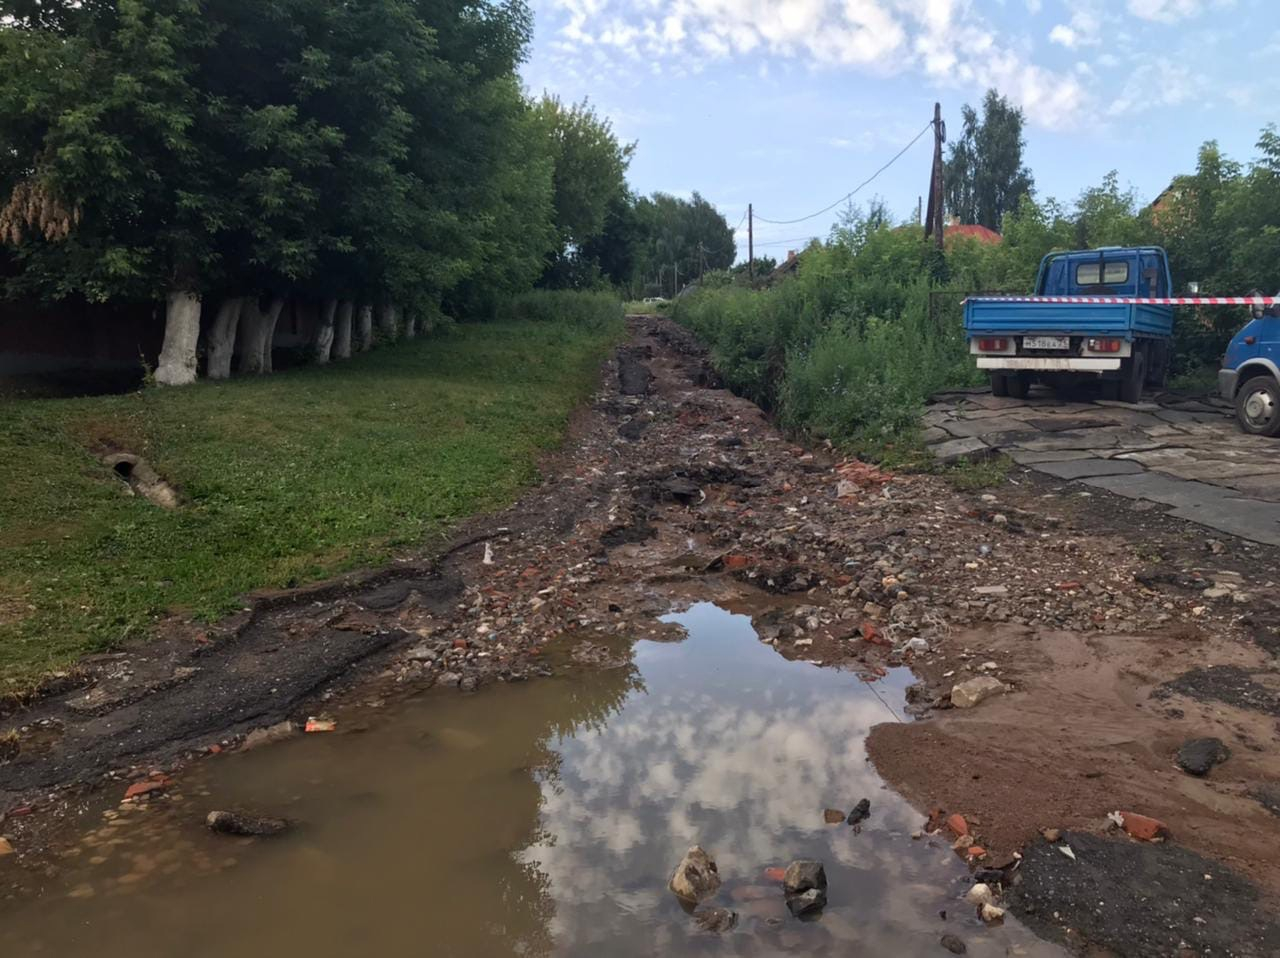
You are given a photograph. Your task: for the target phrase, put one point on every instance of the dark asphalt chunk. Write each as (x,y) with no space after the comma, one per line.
(1141,900)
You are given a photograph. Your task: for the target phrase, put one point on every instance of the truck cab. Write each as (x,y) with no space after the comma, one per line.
(1250,373)
(1124,346)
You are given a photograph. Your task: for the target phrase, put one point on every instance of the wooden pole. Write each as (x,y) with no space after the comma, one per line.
(934,217)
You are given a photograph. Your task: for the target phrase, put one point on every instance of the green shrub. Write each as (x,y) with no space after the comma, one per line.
(586,309)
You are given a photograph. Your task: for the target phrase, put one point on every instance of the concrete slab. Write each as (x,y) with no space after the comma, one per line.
(964,448)
(984,427)
(1085,468)
(934,434)
(1025,457)
(1065,423)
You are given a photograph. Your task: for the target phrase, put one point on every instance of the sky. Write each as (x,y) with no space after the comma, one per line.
(790,104)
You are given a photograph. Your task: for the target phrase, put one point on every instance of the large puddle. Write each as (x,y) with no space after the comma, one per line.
(536,819)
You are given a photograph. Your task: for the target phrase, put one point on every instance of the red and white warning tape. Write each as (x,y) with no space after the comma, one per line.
(1136,300)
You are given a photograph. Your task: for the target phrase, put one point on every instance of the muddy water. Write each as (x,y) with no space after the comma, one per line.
(535,819)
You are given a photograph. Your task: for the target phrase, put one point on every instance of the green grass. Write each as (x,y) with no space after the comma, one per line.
(285,479)
(967,476)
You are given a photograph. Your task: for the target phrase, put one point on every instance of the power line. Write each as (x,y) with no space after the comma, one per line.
(851,193)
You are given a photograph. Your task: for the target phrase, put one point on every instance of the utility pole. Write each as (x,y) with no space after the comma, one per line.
(919,210)
(675,280)
(751,242)
(933,218)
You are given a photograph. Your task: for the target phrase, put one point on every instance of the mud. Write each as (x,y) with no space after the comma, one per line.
(1088,608)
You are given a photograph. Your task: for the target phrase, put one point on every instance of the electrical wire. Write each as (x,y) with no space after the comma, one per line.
(851,193)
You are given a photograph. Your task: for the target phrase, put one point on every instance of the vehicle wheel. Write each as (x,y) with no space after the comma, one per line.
(1018,386)
(1258,406)
(1135,378)
(999,384)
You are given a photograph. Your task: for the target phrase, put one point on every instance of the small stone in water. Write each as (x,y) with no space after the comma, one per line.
(954,945)
(833,816)
(861,812)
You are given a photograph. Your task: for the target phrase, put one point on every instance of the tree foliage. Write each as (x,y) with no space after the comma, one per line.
(373,150)
(984,174)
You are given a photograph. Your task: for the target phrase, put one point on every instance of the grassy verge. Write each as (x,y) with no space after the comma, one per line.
(284,479)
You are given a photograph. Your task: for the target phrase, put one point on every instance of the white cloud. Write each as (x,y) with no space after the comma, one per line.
(1171,11)
(945,40)
(1158,82)
(1083,30)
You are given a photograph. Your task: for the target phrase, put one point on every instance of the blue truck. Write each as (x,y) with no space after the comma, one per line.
(1250,373)
(1123,346)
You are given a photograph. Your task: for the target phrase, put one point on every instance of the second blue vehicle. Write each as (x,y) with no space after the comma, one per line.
(1122,346)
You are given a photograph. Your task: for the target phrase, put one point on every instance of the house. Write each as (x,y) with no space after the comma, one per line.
(980,233)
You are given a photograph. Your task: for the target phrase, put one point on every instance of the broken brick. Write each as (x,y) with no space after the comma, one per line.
(958,825)
(1144,828)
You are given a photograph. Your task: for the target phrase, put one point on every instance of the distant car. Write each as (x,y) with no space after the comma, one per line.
(654,300)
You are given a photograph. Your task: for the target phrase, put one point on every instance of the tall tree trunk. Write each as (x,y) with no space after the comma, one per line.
(388,321)
(221,340)
(342,331)
(177,366)
(410,326)
(322,343)
(257,333)
(364,329)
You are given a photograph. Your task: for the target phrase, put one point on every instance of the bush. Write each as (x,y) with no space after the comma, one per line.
(589,310)
(846,350)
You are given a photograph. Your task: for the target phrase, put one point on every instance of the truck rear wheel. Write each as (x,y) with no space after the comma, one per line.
(1258,406)
(1018,385)
(999,384)
(1135,377)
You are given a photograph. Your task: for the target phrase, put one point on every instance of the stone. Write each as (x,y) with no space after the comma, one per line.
(449,678)
(803,875)
(955,450)
(696,878)
(1199,755)
(1144,828)
(269,735)
(832,816)
(966,695)
(991,913)
(805,886)
(807,902)
(861,812)
(954,945)
(468,684)
(993,590)
(715,919)
(147,787)
(233,823)
(422,653)
(980,894)
(5,847)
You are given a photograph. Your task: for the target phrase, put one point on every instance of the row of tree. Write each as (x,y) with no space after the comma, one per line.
(374,159)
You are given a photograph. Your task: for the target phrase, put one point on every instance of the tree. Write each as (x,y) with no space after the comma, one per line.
(984,175)
(589,168)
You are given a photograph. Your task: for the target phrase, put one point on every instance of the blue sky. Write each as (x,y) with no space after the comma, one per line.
(789,104)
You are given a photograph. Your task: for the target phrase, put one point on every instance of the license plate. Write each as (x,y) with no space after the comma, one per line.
(1046,342)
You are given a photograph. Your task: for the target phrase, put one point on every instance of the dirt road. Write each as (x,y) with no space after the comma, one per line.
(1116,635)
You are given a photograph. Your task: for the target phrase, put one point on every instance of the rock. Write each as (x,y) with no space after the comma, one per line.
(861,812)
(468,684)
(994,590)
(954,945)
(990,913)
(1199,755)
(422,653)
(803,875)
(959,827)
(980,894)
(449,678)
(269,735)
(1052,834)
(147,787)
(696,878)
(805,887)
(681,490)
(5,848)
(807,902)
(832,816)
(1143,828)
(233,823)
(917,645)
(954,450)
(715,919)
(966,695)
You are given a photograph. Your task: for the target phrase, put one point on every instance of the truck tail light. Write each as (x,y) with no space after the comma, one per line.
(993,345)
(1105,345)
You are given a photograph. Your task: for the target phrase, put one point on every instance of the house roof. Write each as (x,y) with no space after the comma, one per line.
(980,233)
